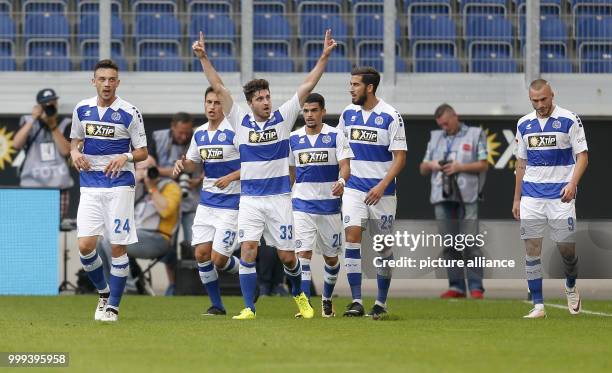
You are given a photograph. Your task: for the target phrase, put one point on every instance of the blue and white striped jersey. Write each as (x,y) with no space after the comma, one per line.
(550,147)
(107,132)
(316,169)
(373,136)
(264,149)
(217,151)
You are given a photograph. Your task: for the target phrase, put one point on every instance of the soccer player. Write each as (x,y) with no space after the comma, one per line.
(319,161)
(216,221)
(113,137)
(375,131)
(551,157)
(265,200)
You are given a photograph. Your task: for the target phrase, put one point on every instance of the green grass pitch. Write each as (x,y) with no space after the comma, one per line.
(168,334)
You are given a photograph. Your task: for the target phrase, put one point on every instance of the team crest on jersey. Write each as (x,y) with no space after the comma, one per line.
(116,116)
(320,156)
(264,136)
(556,125)
(326,139)
(211,153)
(379,121)
(99,130)
(358,134)
(222,137)
(542,141)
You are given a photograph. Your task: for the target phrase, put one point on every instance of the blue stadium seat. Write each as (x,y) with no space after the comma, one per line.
(489,28)
(207,6)
(222,57)
(432,27)
(427,7)
(159,56)
(492,58)
(47,55)
(553,59)
(312,27)
(7,28)
(483,7)
(6,7)
(89,28)
(552,29)
(591,7)
(371,54)
(47,25)
(214,26)
(153,6)
(593,29)
(270,6)
(371,27)
(271,26)
(547,7)
(90,56)
(7,56)
(44,6)
(157,26)
(432,57)
(92,7)
(596,59)
(319,7)
(338,63)
(272,57)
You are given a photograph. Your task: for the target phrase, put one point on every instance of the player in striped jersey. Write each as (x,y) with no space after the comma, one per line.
(113,137)
(551,157)
(265,200)
(375,131)
(319,161)
(215,225)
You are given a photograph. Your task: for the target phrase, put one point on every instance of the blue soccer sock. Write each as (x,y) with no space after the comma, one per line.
(306,276)
(92,264)
(294,275)
(352,263)
(232,265)
(533,269)
(383,280)
(330,276)
(118,276)
(248,283)
(210,280)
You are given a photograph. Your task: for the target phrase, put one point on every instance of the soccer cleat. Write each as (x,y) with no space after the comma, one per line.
(110,315)
(304,306)
(536,313)
(476,294)
(354,309)
(214,311)
(102,302)
(452,294)
(298,315)
(327,308)
(377,312)
(573,300)
(245,314)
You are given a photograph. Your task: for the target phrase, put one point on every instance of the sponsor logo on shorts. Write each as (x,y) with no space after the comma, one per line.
(320,156)
(264,136)
(241,233)
(347,218)
(101,130)
(298,244)
(359,134)
(211,153)
(542,141)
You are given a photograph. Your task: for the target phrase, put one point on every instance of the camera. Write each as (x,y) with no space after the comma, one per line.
(448,181)
(183,181)
(152,173)
(50,109)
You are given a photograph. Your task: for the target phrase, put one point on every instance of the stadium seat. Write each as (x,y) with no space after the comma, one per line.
(483,7)
(591,7)
(312,27)
(553,59)
(7,56)
(222,57)
(270,6)
(552,29)
(433,57)
(207,7)
(272,57)
(271,26)
(431,27)
(371,54)
(596,59)
(153,6)
(157,26)
(413,7)
(159,56)
(47,25)
(492,58)
(488,28)
(92,7)
(6,7)
(371,27)
(337,61)
(89,28)
(214,26)
(7,28)
(30,7)
(318,7)
(547,7)
(593,29)
(47,55)
(89,53)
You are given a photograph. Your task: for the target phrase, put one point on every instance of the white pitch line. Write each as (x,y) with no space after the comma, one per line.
(581,311)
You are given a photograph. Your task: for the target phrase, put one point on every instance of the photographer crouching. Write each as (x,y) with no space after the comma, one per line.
(45,140)
(456,158)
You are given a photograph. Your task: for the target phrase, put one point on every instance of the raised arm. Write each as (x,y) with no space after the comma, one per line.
(212,75)
(317,71)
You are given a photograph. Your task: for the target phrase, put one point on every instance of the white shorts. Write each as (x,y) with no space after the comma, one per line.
(269,215)
(537,213)
(356,213)
(219,226)
(319,233)
(108,213)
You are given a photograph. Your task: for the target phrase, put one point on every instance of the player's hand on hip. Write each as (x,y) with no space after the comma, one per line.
(337,189)
(179,166)
(198,47)
(374,195)
(222,182)
(114,166)
(568,193)
(329,43)
(81,163)
(516,209)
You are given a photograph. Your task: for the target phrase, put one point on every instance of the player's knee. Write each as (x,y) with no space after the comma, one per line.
(248,251)
(286,257)
(353,234)
(87,245)
(331,260)
(305,254)
(219,260)
(201,254)
(566,249)
(533,246)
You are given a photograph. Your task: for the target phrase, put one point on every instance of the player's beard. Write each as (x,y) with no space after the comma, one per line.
(360,100)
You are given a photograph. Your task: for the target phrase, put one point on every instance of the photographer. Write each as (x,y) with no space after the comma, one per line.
(168,146)
(45,140)
(456,158)
(156,211)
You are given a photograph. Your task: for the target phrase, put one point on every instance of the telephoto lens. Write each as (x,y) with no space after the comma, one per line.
(184,184)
